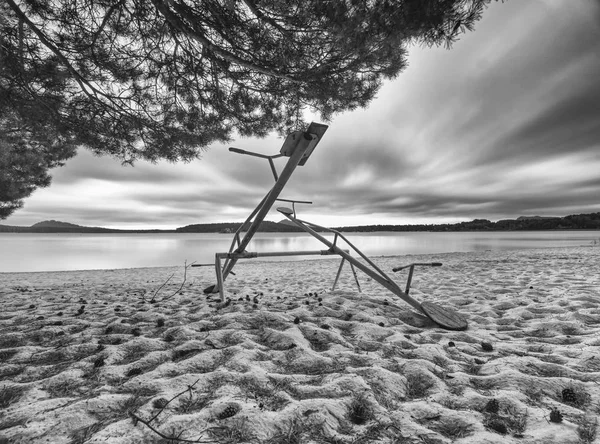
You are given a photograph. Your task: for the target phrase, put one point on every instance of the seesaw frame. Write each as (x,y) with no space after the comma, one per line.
(298,146)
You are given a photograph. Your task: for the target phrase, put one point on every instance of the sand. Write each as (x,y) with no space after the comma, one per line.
(115,356)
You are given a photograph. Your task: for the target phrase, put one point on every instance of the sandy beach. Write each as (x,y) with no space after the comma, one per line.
(131,356)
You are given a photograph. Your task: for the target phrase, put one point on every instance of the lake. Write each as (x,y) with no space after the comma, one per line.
(74,251)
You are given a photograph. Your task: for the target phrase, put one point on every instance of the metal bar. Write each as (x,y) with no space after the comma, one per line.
(304,143)
(297,201)
(355,277)
(219,271)
(296,253)
(250,153)
(360,253)
(337,276)
(409,280)
(423,264)
(273,170)
(381,278)
(252,255)
(236,236)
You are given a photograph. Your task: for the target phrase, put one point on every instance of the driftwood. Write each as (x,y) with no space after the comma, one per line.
(157,291)
(171,437)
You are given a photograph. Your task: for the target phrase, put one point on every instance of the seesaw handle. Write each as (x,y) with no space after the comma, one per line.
(427,264)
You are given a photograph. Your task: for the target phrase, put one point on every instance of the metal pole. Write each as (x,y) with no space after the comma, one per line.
(337,276)
(298,147)
(220,287)
(219,271)
(387,283)
(236,236)
(355,277)
(254,254)
(303,144)
(409,280)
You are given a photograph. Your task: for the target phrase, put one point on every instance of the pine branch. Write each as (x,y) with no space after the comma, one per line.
(188,389)
(259,15)
(107,16)
(148,423)
(185,267)
(137,419)
(178,24)
(85,85)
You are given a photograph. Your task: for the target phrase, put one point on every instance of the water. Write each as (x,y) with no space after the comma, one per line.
(74,251)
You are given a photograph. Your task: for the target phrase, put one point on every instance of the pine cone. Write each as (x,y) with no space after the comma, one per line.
(498,426)
(486,346)
(492,406)
(229,411)
(569,396)
(555,415)
(159,403)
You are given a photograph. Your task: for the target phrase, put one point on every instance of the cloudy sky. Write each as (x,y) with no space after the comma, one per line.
(504,124)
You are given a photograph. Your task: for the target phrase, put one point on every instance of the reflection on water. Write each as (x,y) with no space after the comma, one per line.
(51,252)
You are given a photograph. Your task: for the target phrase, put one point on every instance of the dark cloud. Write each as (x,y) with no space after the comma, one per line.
(572,124)
(175,198)
(537,95)
(87,166)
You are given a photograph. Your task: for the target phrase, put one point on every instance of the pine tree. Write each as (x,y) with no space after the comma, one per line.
(163,79)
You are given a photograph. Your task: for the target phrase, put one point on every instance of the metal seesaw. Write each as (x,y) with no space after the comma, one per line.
(445,317)
(298,146)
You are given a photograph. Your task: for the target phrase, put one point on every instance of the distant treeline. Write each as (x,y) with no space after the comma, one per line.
(227,227)
(573,222)
(265,227)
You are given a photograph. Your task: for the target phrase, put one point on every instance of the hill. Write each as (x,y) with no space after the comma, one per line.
(55,224)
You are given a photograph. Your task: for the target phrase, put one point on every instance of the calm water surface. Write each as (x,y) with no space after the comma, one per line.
(54,252)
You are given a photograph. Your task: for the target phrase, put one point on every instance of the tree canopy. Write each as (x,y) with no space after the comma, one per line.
(163,79)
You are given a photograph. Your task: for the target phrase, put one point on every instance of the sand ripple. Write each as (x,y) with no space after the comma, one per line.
(110,356)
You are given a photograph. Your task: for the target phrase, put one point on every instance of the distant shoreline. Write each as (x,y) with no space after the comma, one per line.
(536,223)
(344,229)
